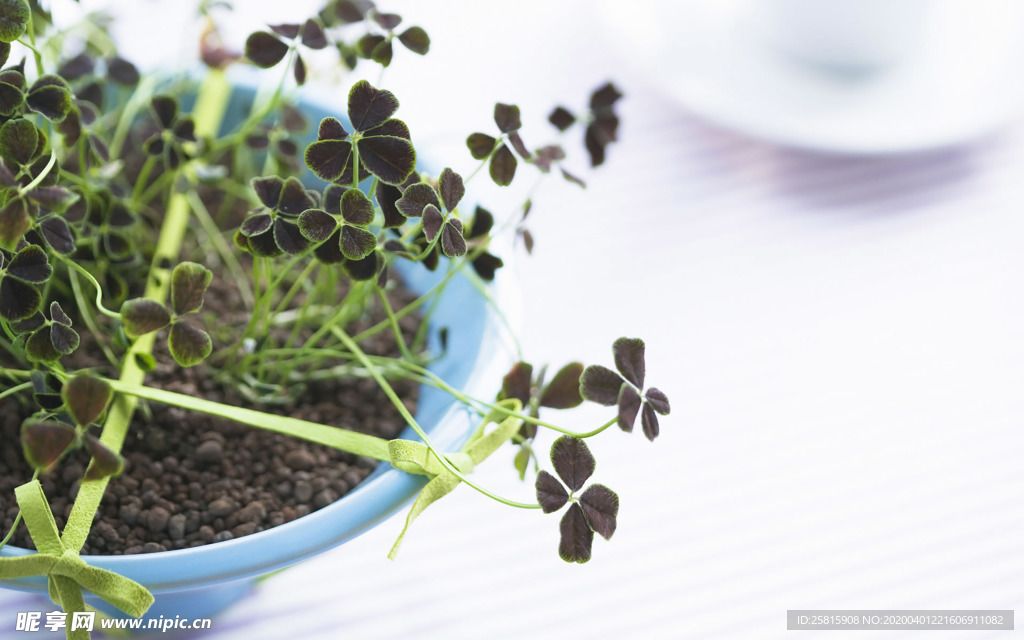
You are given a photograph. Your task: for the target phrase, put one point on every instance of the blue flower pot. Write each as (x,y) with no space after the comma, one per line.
(199,582)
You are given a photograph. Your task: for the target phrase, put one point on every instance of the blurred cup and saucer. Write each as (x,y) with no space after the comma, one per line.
(839,76)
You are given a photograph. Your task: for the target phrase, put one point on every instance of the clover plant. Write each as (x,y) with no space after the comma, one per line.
(108,178)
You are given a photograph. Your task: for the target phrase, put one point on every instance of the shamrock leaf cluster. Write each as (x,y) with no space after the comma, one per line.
(595,510)
(47,437)
(604,386)
(188,344)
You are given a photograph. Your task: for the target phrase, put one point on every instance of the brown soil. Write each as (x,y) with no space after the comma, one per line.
(191,479)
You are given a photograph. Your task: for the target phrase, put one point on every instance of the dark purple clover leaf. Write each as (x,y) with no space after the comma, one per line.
(563,392)
(165,110)
(518,383)
(140,316)
(551,495)
(416,40)
(15,220)
(43,443)
(577,536)
(288,237)
(122,72)
(562,118)
(288,30)
(14,19)
(369,106)
(383,53)
(19,299)
(366,45)
(19,142)
(11,98)
(356,208)
(329,252)
(317,225)
(483,221)
(600,506)
(189,282)
(188,345)
(256,224)
(86,398)
(366,269)
(629,359)
(629,405)
(657,400)
(573,461)
(30,265)
(356,243)
(506,116)
(415,198)
(329,159)
(387,21)
(264,49)
(313,35)
(451,188)
(388,197)
(105,462)
(480,145)
(50,97)
(486,265)
(391,158)
(601,385)
(294,198)
(503,166)
(453,244)
(433,222)
(649,420)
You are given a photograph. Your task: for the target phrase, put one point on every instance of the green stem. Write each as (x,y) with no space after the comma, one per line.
(87,317)
(99,291)
(351,345)
(360,444)
(210,106)
(15,389)
(42,174)
(395,328)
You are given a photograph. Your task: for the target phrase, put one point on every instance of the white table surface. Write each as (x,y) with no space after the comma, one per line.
(841,339)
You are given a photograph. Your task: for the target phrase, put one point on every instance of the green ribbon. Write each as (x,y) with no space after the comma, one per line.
(67,574)
(416,457)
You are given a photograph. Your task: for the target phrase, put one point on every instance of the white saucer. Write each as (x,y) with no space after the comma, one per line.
(964,79)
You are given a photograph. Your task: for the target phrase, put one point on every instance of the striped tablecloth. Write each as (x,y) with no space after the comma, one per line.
(842,340)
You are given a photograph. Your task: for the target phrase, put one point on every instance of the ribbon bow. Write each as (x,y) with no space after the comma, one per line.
(416,457)
(67,574)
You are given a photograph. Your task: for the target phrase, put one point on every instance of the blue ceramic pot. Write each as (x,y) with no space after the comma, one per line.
(198,582)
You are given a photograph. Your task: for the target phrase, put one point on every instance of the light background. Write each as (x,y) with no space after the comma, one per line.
(841,340)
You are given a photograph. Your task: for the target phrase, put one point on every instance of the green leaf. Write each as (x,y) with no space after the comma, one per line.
(629,359)
(522,461)
(600,506)
(14,16)
(189,282)
(416,40)
(264,49)
(577,536)
(86,397)
(551,495)
(140,316)
(43,443)
(573,461)
(601,385)
(188,345)
(503,166)
(18,141)
(563,392)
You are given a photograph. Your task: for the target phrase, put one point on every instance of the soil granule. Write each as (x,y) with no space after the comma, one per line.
(191,479)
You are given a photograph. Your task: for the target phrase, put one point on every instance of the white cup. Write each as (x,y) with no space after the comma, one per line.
(846,35)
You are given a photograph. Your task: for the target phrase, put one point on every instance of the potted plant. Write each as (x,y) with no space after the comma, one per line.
(196,298)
